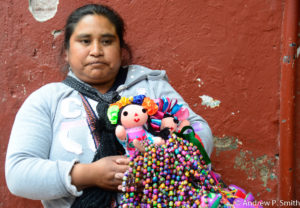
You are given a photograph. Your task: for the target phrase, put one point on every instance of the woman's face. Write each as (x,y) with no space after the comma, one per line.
(94,54)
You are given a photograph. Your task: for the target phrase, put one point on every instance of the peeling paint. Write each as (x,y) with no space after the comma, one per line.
(18,90)
(43,10)
(262,166)
(209,101)
(287,59)
(234,113)
(56,33)
(200,82)
(273,176)
(226,144)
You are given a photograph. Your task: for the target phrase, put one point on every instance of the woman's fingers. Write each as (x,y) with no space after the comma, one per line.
(139,145)
(122,160)
(108,172)
(119,176)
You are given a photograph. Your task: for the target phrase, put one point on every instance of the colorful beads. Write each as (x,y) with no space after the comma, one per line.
(175,175)
(172,175)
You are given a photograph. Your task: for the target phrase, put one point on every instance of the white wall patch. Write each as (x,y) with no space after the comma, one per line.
(43,10)
(209,101)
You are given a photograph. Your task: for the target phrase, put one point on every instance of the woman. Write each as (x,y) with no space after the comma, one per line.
(62,127)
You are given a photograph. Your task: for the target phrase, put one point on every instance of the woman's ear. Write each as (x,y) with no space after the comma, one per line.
(66,56)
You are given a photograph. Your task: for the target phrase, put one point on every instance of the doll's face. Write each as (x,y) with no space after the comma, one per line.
(133,116)
(168,122)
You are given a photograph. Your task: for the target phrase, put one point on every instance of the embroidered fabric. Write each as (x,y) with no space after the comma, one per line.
(91,119)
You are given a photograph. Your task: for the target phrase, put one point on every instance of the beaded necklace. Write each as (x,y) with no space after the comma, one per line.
(173,175)
(177,175)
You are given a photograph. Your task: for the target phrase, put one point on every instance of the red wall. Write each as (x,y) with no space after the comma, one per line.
(297,126)
(228,50)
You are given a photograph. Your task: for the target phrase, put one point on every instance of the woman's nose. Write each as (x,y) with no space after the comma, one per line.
(96,49)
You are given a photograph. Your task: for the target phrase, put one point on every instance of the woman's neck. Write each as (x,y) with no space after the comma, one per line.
(103,87)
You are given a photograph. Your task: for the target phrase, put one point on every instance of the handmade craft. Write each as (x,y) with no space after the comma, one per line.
(131,115)
(170,115)
(176,174)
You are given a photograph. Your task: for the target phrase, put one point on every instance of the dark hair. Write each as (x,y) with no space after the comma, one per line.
(167,115)
(97,9)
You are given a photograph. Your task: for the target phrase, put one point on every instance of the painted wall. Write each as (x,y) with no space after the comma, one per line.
(297,123)
(223,57)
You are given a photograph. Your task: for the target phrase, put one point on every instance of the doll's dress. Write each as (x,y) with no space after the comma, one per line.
(138,133)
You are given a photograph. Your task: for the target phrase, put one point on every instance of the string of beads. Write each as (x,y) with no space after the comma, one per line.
(170,175)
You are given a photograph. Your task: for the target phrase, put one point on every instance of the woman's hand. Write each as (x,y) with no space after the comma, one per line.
(106,173)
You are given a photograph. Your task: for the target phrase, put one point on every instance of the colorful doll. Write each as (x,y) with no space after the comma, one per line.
(173,117)
(172,123)
(170,115)
(131,115)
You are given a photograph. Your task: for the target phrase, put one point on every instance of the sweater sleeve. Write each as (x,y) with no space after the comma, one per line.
(28,170)
(201,127)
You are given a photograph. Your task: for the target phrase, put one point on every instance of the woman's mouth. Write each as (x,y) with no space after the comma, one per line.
(136,120)
(96,63)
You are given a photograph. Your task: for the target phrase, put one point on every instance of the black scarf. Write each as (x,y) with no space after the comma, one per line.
(95,197)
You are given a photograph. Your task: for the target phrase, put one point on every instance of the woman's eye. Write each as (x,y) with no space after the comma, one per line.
(125,113)
(144,110)
(106,42)
(85,41)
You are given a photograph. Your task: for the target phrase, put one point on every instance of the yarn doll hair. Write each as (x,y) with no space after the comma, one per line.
(168,108)
(116,109)
(175,119)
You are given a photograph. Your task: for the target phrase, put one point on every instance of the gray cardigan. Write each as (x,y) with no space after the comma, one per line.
(50,134)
